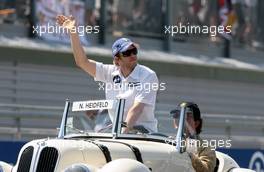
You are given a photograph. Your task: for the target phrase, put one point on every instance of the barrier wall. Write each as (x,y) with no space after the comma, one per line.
(247,158)
(9,151)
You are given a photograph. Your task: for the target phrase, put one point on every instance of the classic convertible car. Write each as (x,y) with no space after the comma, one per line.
(88,144)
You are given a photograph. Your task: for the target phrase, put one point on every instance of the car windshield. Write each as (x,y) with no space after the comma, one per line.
(87,121)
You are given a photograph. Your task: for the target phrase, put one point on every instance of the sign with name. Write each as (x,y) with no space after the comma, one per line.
(92,105)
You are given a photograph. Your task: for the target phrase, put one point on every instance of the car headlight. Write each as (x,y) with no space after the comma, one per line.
(124,165)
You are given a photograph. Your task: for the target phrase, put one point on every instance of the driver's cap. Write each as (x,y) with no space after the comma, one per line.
(121,45)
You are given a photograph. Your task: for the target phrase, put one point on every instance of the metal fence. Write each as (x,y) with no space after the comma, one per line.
(148,18)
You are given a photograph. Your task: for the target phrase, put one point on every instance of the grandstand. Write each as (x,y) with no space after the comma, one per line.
(33,95)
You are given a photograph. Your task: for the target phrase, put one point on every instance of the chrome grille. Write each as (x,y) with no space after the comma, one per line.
(47,160)
(25,160)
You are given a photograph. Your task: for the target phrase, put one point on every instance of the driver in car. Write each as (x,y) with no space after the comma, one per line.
(125,77)
(203,158)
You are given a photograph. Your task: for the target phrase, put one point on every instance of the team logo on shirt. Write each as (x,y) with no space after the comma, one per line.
(117,79)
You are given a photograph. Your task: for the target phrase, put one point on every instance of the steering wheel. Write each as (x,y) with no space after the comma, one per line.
(158,134)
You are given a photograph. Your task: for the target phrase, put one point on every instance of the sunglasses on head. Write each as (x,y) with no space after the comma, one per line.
(128,53)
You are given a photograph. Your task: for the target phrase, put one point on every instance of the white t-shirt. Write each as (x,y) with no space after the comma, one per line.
(141,86)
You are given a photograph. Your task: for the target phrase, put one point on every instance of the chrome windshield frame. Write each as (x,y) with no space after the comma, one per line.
(117,123)
(179,136)
(117,127)
(62,131)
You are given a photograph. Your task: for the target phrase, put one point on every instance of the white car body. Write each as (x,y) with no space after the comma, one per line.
(107,152)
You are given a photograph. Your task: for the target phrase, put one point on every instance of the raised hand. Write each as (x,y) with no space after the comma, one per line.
(66,22)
